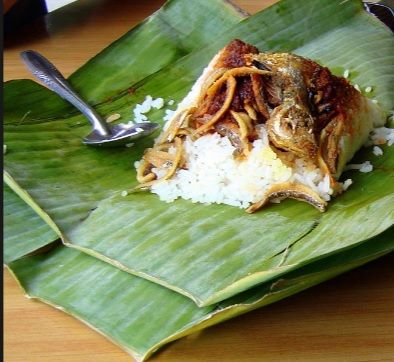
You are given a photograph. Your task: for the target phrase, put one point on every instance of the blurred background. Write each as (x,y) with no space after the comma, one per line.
(20,12)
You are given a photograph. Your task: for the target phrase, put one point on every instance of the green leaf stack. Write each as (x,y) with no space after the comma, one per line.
(208,262)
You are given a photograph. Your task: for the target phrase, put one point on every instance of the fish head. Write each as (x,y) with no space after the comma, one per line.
(290,128)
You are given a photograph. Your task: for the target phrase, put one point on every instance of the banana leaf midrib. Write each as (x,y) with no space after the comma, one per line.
(223,294)
(21,222)
(227,292)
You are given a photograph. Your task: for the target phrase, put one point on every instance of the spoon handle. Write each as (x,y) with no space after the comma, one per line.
(48,74)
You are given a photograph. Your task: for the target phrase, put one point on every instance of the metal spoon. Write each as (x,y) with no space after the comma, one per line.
(103,134)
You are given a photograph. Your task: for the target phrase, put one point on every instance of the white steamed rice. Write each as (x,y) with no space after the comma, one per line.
(214,175)
(380,136)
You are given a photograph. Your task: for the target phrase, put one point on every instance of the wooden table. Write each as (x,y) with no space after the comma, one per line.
(350,318)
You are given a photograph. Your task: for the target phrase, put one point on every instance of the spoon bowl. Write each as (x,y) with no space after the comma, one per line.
(121,134)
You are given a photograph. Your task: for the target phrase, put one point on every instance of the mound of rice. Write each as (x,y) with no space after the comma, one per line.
(214,175)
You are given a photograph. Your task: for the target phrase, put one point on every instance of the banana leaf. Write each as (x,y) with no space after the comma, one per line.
(206,252)
(176,29)
(138,315)
(24,231)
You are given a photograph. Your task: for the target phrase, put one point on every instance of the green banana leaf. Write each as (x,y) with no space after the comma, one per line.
(24,231)
(208,253)
(177,29)
(138,315)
